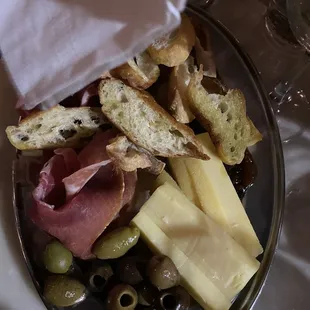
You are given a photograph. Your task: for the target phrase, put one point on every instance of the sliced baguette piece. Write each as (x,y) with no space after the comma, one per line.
(140,72)
(146,123)
(224,117)
(178,104)
(56,127)
(175,47)
(255,135)
(130,157)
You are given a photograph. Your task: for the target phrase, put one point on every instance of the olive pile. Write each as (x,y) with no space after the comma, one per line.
(121,281)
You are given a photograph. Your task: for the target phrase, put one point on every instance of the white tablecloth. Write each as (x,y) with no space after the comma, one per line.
(16,288)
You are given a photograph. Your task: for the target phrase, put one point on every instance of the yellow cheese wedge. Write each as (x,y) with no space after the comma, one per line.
(192,279)
(202,242)
(163,178)
(217,196)
(181,175)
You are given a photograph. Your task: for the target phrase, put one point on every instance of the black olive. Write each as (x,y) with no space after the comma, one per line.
(122,297)
(75,271)
(175,298)
(67,133)
(130,270)
(168,301)
(147,294)
(99,276)
(91,303)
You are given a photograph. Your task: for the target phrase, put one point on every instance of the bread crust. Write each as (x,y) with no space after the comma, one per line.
(230,141)
(22,136)
(255,135)
(130,157)
(178,102)
(132,72)
(174,50)
(195,149)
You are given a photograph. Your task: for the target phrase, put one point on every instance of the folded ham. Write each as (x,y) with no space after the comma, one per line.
(78,195)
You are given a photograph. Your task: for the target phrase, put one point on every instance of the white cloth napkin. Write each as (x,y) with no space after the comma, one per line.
(53,48)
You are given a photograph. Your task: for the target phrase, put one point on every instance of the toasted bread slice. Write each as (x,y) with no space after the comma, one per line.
(56,127)
(255,135)
(146,123)
(224,117)
(178,104)
(175,47)
(130,157)
(140,72)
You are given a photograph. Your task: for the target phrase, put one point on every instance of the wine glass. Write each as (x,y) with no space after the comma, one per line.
(298,12)
(294,14)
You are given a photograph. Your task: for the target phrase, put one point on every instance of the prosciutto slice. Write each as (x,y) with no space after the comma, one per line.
(78,195)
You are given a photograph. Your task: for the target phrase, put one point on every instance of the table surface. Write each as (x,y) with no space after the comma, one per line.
(287,285)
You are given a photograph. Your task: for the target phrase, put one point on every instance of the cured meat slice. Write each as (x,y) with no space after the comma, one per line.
(79,195)
(76,181)
(130,180)
(79,222)
(90,159)
(95,151)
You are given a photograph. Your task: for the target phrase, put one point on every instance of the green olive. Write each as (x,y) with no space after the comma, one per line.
(175,298)
(56,258)
(99,277)
(122,297)
(162,272)
(63,291)
(116,243)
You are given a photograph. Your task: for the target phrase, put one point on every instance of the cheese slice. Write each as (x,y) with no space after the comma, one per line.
(180,173)
(217,196)
(205,243)
(192,279)
(198,241)
(163,178)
